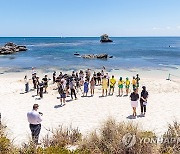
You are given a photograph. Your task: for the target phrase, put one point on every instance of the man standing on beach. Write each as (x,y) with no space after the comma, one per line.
(34,119)
(112,84)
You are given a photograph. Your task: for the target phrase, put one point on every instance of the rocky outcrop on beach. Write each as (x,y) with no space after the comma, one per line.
(10,48)
(105,38)
(95,56)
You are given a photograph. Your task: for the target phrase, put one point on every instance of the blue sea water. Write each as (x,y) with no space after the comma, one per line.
(127,52)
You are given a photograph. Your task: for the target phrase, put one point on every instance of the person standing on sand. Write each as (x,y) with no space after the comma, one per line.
(45,80)
(120,86)
(72,86)
(37,85)
(26,84)
(112,84)
(41,86)
(62,92)
(127,86)
(34,119)
(86,87)
(134,101)
(134,83)
(137,81)
(107,77)
(92,86)
(34,80)
(104,86)
(54,77)
(143,100)
(99,78)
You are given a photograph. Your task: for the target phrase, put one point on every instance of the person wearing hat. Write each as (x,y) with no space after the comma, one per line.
(143,100)
(120,86)
(134,101)
(34,119)
(127,86)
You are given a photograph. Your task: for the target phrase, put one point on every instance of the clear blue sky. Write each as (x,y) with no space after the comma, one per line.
(89,17)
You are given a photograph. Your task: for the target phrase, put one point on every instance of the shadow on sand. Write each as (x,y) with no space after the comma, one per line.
(58,106)
(131,117)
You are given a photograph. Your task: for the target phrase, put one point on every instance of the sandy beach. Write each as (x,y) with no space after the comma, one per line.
(87,113)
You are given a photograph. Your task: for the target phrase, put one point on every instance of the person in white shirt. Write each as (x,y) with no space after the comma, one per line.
(34,119)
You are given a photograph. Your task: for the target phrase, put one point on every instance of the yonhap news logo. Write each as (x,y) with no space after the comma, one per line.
(129,140)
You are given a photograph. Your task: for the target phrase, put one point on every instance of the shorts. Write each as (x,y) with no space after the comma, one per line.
(120,86)
(62,95)
(127,86)
(134,103)
(111,86)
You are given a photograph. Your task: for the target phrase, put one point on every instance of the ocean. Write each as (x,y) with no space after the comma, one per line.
(127,52)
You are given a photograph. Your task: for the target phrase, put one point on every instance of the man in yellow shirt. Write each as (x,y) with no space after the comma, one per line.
(112,84)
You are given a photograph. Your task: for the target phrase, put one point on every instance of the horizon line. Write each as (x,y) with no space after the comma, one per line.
(78,36)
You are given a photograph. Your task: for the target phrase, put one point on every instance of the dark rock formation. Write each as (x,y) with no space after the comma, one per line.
(10,48)
(94,56)
(105,38)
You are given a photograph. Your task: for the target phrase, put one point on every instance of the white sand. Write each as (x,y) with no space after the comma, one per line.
(88,113)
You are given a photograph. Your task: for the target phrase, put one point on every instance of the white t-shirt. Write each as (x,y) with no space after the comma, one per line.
(34,117)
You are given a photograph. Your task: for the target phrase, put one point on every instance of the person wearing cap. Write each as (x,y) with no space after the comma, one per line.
(112,84)
(134,101)
(34,119)
(143,100)
(127,86)
(120,86)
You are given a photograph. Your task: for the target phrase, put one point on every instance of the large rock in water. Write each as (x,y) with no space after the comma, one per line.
(105,38)
(93,56)
(10,48)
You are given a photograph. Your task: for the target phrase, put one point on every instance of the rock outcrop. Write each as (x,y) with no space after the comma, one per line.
(105,38)
(10,48)
(95,56)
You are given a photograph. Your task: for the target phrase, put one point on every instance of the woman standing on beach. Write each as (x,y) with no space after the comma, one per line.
(26,84)
(92,86)
(134,101)
(143,100)
(120,86)
(104,85)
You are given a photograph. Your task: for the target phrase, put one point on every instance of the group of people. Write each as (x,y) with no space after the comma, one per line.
(39,86)
(70,85)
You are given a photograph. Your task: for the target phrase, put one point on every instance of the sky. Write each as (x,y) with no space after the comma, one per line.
(89,18)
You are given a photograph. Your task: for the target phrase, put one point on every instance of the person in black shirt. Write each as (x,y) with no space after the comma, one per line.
(45,80)
(134,101)
(143,100)
(54,77)
(34,80)
(137,81)
(41,85)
